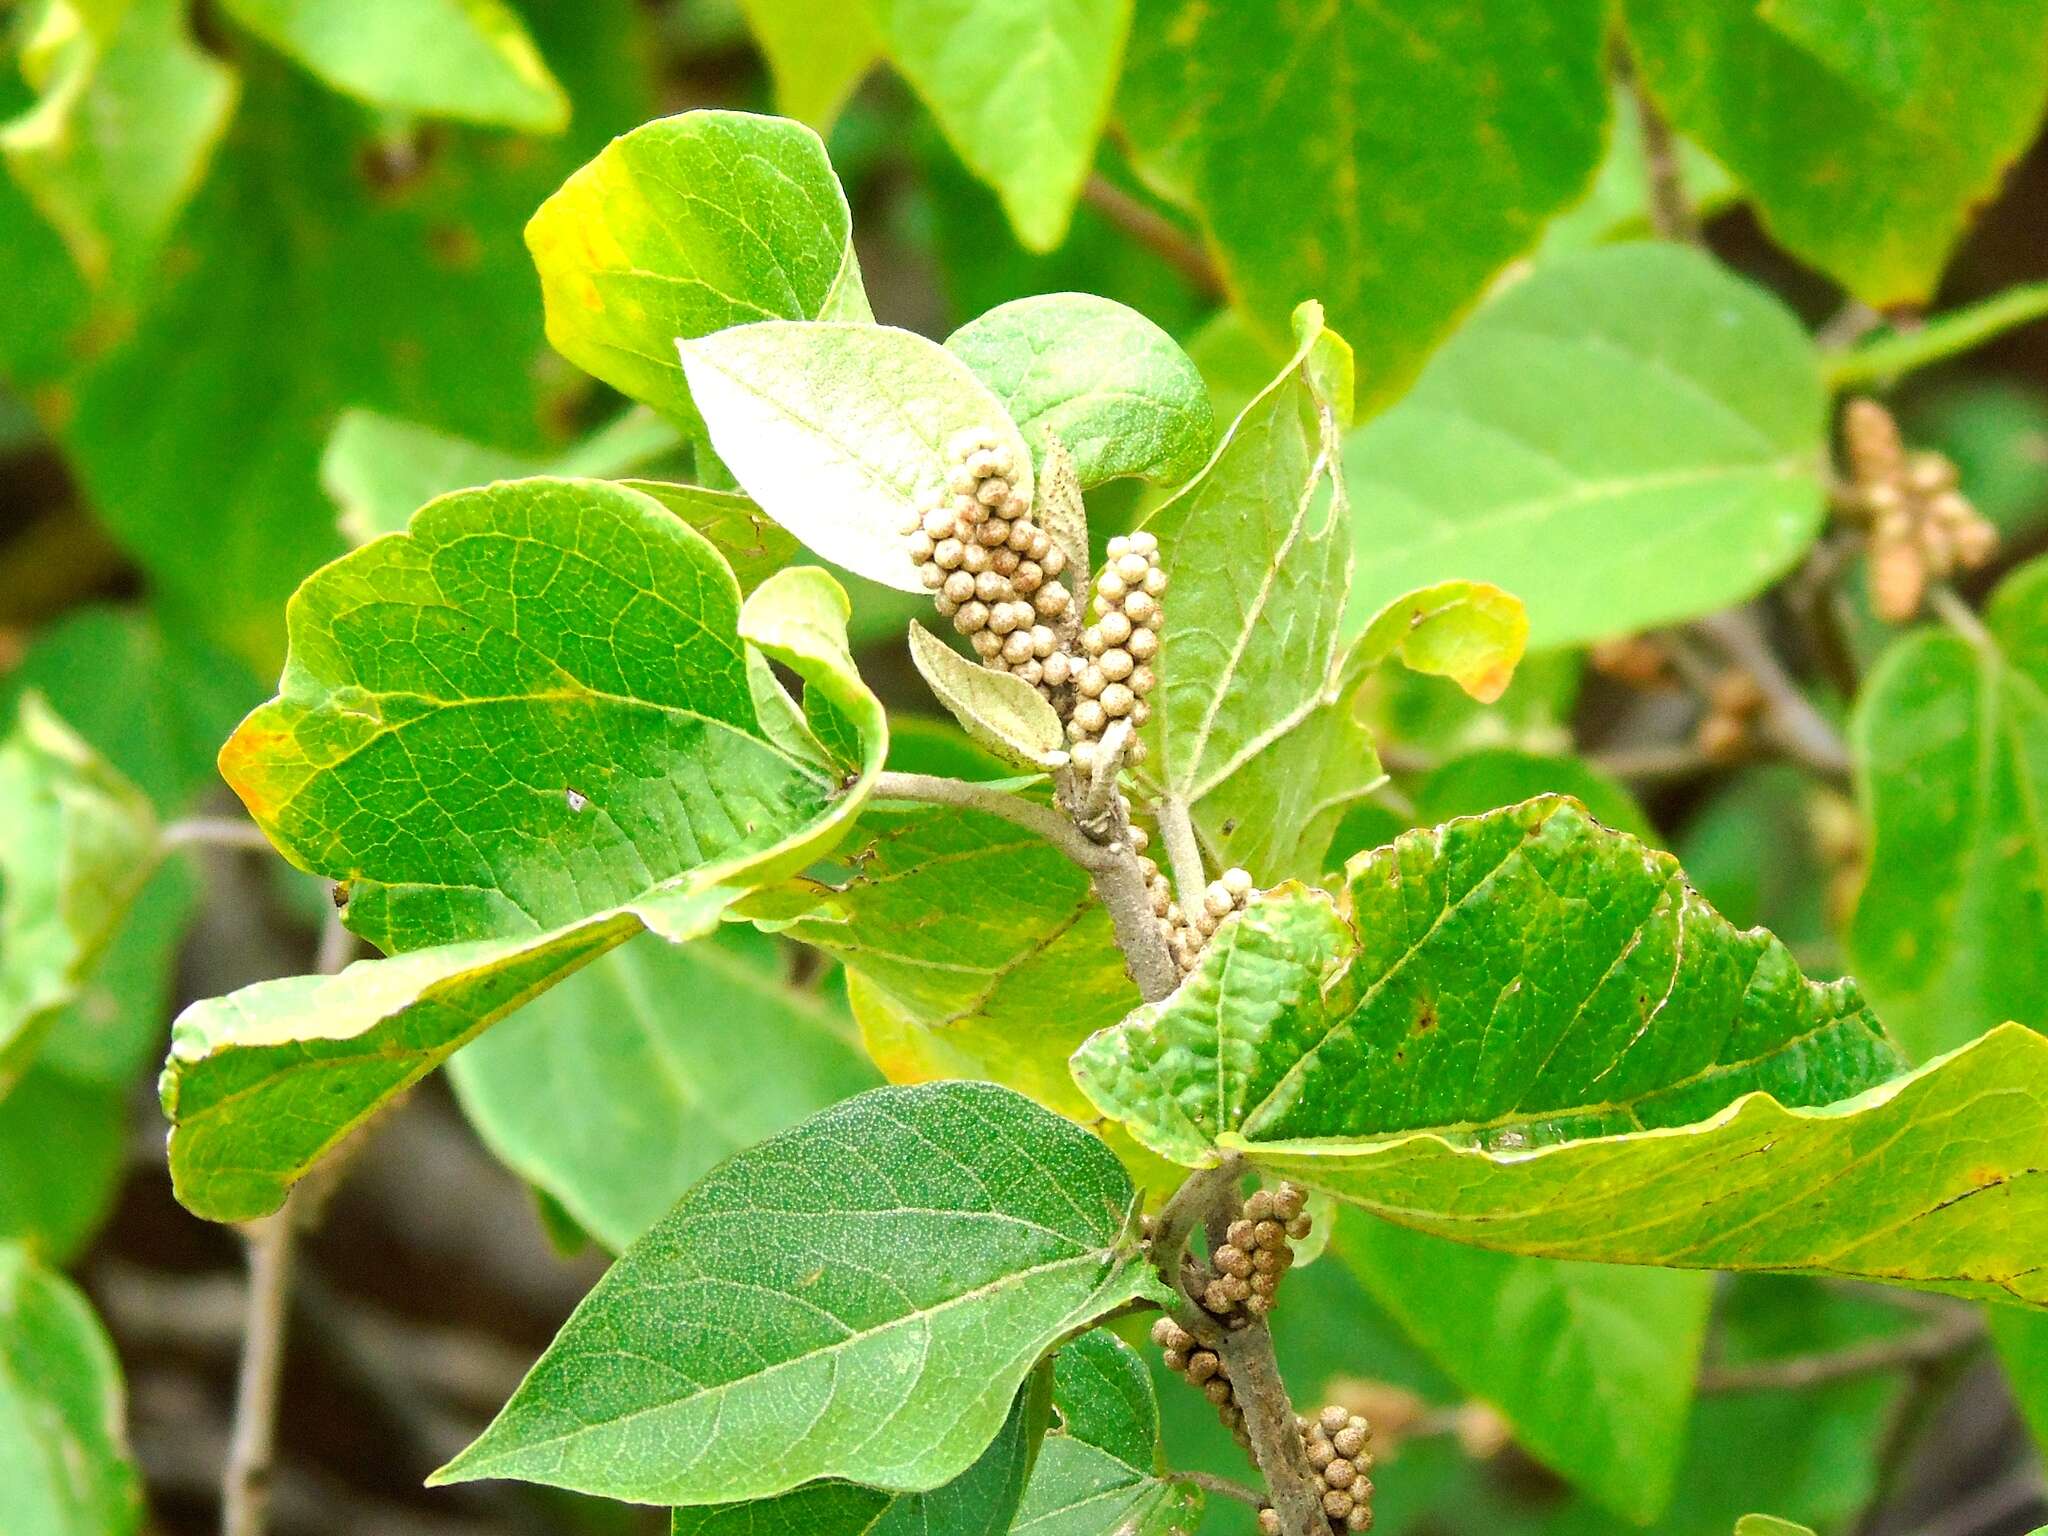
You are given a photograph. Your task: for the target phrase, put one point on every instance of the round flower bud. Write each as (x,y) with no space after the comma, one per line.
(1232,1260)
(1109,589)
(971,617)
(1090,716)
(973,558)
(921,546)
(1140,713)
(1260,1206)
(1002,618)
(1206,925)
(1256,1304)
(960,480)
(1176,1360)
(1119,544)
(1143,543)
(1216,1390)
(1004,561)
(1091,682)
(987,644)
(1337,1504)
(1217,1298)
(1083,755)
(984,461)
(1041,543)
(1269,1522)
(1333,1417)
(1028,577)
(1162,897)
(1267,1261)
(1141,840)
(1117,700)
(1239,883)
(992,490)
(1340,1473)
(1141,608)
(993,532)
(948,553)
(945,606)
(1265,1285)
(932,575)
(1017,646)
(1142,680)
(1013,507)
(1270,1234)
(1031,669)
(1143,644)
(1092,641)
(968,515)
(1116,665)
(1202,1365)
(1155,582)
(1020,535)
(1350,1440)
(1115,626)
(988,586)
(1168,1334)
(1218,900)
(1054,559)
(1057,671)
(1320,1454)
(1052,600)
(938,523)
(1133,568)
(1240,1236)
(1300,1227)
(1359,1520)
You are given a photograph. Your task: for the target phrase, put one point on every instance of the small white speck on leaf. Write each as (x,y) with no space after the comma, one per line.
(577,800)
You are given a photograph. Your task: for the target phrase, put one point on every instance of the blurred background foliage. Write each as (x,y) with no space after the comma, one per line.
(262,291)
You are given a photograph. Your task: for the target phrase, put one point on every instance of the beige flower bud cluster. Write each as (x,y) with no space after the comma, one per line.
(1256,1252)
(1204,1371)
(1921,527)
(991,569)
(1339,1446)
(1114,674)
(1185,936)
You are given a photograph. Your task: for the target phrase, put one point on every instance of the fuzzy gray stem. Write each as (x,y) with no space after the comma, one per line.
(245,1482)
(1121,885)
(931,789)
(1183,852)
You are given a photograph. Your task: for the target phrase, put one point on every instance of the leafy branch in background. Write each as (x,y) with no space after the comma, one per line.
(1243,892)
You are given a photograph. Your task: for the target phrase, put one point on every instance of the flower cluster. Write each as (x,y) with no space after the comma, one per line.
(1921,527)
(1114,675)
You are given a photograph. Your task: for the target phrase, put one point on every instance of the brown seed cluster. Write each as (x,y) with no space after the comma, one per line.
(991,569)
(1185,935)
(1114,674)
(1205,1372)
(1920,526)
(1339,1446)
(1258,1250)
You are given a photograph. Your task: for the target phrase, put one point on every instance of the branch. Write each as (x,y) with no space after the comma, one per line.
(1951,1336)
(1794,726)
(216,832)
(1222,1487)
(931,789)
(1157,233)
(1671,214)
(1906,348)
(1121,885)
(252,1444)
(1183,852)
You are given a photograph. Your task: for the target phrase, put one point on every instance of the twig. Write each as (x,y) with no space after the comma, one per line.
(215,832)
(1909,347)
(1277,1443)
(1992,1508)
(1937,1341)
(1670,211)
(252,1439)
(1793,725)
(1157,233)
(932,789)
(252,1443)
(1223,1487)
(1957,614)
(1929,1385)
(1183,852)
(1121,885)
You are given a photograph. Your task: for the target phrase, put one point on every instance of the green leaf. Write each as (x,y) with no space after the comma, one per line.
(262,1083)
(1296,129)
(1770,1525)
(1592,1364)
(1101,1471)
(557,665)
(153,698)
(64,1467)
(1467,631)
(129,112)
(840,431)
(979,1502)
(752,545)
(1107,382)
(946,982)
(817,52)
(1775,806)
(63,1148)
(1251,728)
(1492,777)
(1020,88)
(322,266)
(1628,437)
(662,236)
(466,59)
(380,469)
(1004,713)
(2021,1338)
(77,844)
(619,1089)
(1518,979)
(898,1262)
(1865,133)
(1950,740)
(1525,1032)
